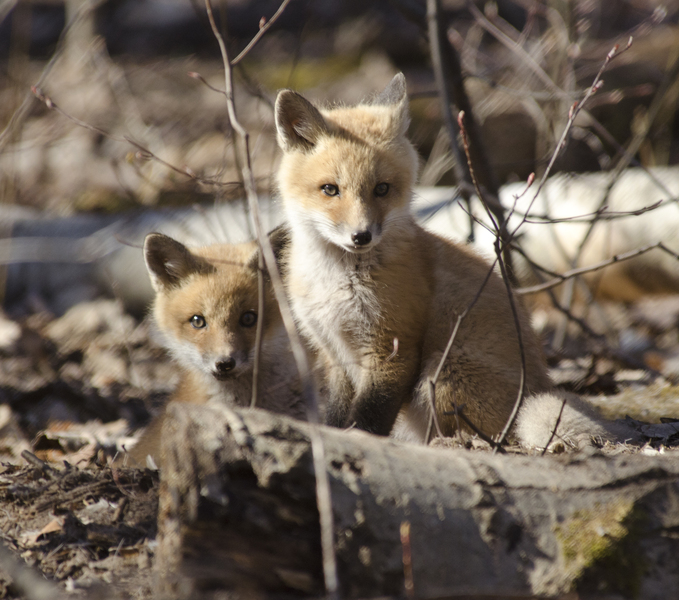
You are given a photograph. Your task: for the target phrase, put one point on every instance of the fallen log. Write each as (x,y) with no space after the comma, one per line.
(238,512)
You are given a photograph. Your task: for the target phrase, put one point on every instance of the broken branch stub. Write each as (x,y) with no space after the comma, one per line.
(238,512)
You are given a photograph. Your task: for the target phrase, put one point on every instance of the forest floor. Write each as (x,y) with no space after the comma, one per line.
(75,390)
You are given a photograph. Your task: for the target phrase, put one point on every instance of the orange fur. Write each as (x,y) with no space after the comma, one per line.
(364,278)
(218,284)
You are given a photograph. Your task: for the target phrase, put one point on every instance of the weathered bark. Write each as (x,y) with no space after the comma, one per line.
(238,511)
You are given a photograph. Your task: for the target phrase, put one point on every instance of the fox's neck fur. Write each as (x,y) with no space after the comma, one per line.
(340,292)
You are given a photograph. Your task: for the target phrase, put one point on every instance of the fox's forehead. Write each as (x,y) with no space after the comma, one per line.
(220,294)
(336,159)
(369,123)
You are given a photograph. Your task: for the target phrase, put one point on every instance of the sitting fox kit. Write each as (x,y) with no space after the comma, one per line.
(205,309)
(377,297)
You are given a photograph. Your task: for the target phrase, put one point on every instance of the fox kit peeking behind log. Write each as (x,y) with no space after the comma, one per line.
(377,297)
(205,309)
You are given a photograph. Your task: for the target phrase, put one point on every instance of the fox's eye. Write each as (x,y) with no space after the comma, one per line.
(198,322)
(330,190)
(381,189)
(248,319)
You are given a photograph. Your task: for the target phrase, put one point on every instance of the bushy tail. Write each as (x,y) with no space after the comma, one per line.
(578,423)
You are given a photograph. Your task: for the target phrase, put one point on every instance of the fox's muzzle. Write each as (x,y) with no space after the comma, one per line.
(361,238)
(224,367)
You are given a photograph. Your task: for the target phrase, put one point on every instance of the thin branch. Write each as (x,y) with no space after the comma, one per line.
(199,77)
(560,278)
(518,50)
(602,214)
(500,241)
(556,427)
(23,111)
(143,152)
(459,412)
(262,30)
(605,348)
(323,496)
(407,560)
(437,43)
(667,83)
(450,83)
(451,340)
(575,110)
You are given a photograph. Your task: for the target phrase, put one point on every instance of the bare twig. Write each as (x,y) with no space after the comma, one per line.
(556,427)
(501,239)
(560,278)
(318,454)
(204,81)
(143,152)
(515,48)
(446,352)
(574,111)
(450,83)
(23,111)
(459,412)
(602,214)
(666,84)
(604,347)
(262,30)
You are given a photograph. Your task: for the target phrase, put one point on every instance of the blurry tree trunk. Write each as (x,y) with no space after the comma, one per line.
(238,511)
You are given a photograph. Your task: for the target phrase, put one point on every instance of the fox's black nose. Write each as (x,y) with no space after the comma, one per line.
(361,238)
(224,366)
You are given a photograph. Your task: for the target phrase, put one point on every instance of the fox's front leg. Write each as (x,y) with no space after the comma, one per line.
(337,391)
(385,386)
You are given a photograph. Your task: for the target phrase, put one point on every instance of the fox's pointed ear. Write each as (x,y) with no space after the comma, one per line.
(299,124)
(280,241)
(395,95)
(169,261)
(279,238)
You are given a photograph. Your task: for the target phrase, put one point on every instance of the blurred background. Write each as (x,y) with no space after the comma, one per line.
(122,66)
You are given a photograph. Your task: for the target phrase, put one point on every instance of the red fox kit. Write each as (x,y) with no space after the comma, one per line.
(205,308)
(377,296)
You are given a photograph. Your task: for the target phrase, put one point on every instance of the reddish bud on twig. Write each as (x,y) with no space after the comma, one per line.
(460,119)
(613,51)
(194,75)
(141,155)
(37,92)
(262,22)
(629,42)
(189,172)
(530,180)
(598,85)
(572,109)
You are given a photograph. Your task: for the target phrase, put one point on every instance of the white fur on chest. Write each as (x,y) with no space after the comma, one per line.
(333,296)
